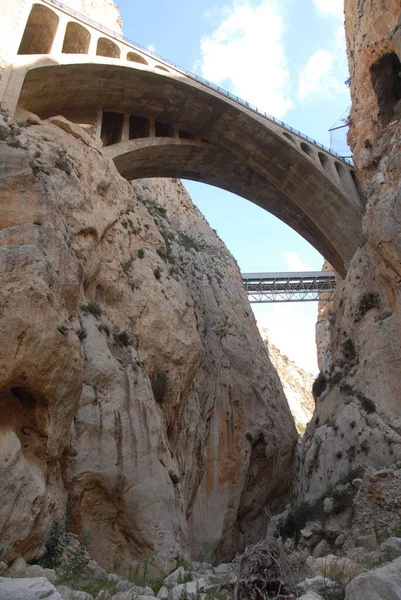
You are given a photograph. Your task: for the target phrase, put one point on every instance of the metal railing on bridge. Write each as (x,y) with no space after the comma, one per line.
(310,286)
(209,84)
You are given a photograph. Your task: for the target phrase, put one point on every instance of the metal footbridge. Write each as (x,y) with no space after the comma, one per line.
(312,286)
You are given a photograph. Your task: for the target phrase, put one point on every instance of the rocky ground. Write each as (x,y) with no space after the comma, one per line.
(350,550)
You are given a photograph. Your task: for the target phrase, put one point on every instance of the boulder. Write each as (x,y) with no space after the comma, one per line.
(392,546)
(192,589)
(163,593)
(68,594)
(38,571)
(175,578)
(383,583)
(28,589)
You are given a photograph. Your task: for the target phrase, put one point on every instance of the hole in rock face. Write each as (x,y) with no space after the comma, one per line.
(40,31)
(76,40)
(26,414)
(112,128)
(386,81)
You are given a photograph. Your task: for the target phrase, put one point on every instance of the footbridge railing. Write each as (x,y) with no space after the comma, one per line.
(209,84)
(290,287)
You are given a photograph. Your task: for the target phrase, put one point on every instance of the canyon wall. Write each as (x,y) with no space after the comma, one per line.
(133,379)
(357,420)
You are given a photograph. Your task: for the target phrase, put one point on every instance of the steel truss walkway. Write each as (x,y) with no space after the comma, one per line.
(290,287)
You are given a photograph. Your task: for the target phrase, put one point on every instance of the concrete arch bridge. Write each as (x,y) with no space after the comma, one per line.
(156,120)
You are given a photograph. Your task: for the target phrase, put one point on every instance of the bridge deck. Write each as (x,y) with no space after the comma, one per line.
(118,36)
(309,286)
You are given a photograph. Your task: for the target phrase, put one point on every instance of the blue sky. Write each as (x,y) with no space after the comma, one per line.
(288,58)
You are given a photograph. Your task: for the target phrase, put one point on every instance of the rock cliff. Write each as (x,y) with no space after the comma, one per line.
(357,421)
(297,384)
(133,379)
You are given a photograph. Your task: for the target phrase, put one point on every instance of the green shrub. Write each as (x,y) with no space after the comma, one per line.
(55,545)
(92,308)
(141,253)
(367,403)
(159,384)
(367,302)
(157,273)
(122,338)
(188,242)
(348,349)
(82,334)
(104,327)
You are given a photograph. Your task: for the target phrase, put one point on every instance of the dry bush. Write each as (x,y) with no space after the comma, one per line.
(269,569)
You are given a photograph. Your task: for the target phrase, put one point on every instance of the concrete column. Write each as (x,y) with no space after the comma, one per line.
(176,133)
(60,35)
(125,131)
(99,127)
(93,43)
(152,128)
(13,89)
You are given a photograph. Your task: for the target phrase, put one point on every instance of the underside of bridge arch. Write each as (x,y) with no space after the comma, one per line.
(244,153)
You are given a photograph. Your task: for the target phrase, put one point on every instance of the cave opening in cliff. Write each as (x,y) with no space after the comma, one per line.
(112,128)
(76,40)
(40,31)
(386,81)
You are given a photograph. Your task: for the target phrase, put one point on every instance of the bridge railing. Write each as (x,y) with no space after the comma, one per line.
(120,37)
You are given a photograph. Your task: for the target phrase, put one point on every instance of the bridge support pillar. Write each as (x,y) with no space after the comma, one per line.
(152,128)
(93,43)
(125,129)
(58,41)
(13,88)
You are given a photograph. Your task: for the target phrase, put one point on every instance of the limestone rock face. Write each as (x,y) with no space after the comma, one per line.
(296,382)
(132,375)
(357,422)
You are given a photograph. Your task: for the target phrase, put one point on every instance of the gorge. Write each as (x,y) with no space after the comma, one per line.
(136,393)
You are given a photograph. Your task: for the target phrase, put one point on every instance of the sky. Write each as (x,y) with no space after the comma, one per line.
(288,58)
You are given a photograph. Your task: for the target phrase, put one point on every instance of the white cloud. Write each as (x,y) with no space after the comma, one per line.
(318,77)
(330,8)
(246,53)
(294,263)
(326,70)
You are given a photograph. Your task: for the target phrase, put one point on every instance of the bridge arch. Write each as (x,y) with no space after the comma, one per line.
(76,40)
(40,31)
(107,48)
(135,57)
(229,145)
